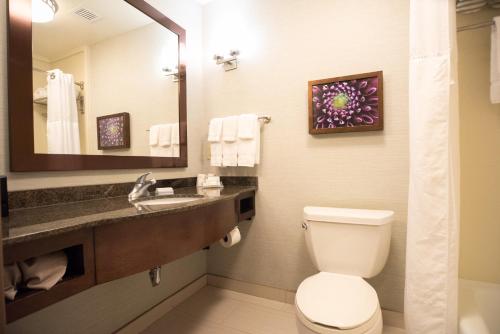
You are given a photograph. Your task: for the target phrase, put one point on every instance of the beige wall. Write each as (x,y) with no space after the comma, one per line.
(126,76)
(106,307)
(480,155)
(285,43)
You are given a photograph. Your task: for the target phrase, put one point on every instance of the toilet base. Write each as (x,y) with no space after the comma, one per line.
(373,326)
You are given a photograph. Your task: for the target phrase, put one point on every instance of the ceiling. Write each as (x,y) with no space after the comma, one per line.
(69,32)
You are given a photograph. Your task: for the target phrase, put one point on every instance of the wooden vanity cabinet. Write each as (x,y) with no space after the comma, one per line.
(108,252)
(80,274)
(132,247)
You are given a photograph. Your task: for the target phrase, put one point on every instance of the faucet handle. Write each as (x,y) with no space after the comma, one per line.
(141,179)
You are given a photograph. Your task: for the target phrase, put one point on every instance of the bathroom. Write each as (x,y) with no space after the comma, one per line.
(231,259)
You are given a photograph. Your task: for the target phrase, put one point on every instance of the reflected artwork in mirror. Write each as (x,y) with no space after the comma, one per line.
(91,60)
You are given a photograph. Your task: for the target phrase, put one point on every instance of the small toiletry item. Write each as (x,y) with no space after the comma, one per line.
(212,182)
(4,196)
(200,180)
(164,191)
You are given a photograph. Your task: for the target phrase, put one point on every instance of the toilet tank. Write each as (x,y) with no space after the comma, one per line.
(348,241)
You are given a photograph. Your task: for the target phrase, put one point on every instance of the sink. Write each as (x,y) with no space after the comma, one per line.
(167,201)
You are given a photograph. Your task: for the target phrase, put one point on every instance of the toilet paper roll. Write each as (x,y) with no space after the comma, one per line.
(231,239)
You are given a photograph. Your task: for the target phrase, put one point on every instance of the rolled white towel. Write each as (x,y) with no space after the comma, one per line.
(11,278)
(43,272)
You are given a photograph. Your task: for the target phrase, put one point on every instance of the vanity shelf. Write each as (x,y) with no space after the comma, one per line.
(245,206)
(80,273)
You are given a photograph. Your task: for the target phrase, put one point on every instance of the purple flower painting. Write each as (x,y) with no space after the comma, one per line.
(113,131)
(346,104)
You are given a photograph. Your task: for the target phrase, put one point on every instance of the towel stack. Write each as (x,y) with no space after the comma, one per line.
(39,273)
(234,141)
(164,140)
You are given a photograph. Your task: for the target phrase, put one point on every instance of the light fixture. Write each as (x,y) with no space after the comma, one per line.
(43,10)
(230,63)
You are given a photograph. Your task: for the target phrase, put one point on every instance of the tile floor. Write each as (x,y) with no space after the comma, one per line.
(217,311)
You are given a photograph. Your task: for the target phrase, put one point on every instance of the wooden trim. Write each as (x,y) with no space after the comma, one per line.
(20,89)
(380,93)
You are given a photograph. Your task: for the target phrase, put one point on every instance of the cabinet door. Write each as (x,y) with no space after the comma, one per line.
(140,244)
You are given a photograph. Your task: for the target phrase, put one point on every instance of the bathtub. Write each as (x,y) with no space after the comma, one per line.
(479,307)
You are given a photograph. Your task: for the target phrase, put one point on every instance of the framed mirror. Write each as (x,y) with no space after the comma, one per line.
(95,85)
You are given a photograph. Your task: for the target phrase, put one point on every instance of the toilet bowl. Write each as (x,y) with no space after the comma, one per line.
(346,245)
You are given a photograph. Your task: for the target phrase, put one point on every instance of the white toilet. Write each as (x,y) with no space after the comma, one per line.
(346,245)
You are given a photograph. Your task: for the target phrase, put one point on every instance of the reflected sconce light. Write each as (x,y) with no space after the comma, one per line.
(230,63)
(172,72)
(43,10)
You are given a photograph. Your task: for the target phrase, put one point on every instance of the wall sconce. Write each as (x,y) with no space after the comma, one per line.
(172,72)
(230,63)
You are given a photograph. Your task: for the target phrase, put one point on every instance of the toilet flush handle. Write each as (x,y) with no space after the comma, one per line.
(304,226)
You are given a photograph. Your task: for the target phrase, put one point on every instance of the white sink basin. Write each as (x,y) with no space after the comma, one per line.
(167,201)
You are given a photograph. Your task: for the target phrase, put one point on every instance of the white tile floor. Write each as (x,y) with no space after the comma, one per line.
(218,311)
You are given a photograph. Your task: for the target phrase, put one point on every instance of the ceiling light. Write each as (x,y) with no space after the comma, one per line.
(43,10)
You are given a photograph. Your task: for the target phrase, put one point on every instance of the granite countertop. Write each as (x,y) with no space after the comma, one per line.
(25,224)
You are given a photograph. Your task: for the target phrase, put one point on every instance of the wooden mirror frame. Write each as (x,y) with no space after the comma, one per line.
(20,94)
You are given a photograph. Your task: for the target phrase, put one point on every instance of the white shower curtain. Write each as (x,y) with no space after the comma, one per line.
(63,136)
(433,207)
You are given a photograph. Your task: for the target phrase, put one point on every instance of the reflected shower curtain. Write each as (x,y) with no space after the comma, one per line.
(433,206)
(63,136)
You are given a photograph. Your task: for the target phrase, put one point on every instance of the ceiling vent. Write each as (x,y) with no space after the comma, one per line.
(86,14)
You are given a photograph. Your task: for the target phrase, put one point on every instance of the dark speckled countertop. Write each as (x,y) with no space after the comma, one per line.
(25,224)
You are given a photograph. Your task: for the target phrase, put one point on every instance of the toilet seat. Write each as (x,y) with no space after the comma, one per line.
(337,301)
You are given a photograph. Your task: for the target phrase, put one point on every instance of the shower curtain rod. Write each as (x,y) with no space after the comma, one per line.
(475,26)
(80,84)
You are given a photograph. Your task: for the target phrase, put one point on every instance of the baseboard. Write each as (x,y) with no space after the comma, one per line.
(391,318)
(146,319)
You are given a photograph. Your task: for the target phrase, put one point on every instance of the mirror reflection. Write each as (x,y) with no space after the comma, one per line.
(104,81)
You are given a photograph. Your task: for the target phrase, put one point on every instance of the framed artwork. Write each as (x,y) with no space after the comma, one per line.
(346,104)
(113,131)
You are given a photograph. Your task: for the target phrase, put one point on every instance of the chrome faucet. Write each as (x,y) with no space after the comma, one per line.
(141,187)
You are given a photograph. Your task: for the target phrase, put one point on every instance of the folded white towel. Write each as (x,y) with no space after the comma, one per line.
(165,135)
(43,272)
(11,278)
(229,154)
(175,133)
(246,126)
(153,135)
(216,154)
(495,62)
(165,191)
(230,128)
(40,93)
(175,140)
(215,130)
(249,149)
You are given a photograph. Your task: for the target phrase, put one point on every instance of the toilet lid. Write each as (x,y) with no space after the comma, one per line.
(336,300)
